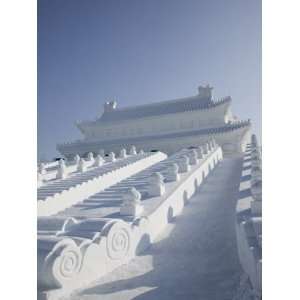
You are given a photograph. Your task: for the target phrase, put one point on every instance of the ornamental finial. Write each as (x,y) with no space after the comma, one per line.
(110,106)
(193,156)
(156,186)
(184,164)
(205,91)
(131,205)
(172,173)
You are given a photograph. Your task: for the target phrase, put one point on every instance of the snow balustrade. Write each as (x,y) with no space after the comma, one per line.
(61,169)
(44,167)
(61,194)
(72,251)
(249,217)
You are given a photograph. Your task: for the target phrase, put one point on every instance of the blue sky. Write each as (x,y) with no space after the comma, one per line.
(142,51)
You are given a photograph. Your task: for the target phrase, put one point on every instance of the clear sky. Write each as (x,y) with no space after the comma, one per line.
(142,51)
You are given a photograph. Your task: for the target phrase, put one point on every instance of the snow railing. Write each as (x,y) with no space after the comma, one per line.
(62,169)
(47,165)
(73,252)
(222,100)
(249,217)
(65,193)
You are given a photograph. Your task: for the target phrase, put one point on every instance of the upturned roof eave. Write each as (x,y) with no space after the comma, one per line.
(215,104)
(206,131)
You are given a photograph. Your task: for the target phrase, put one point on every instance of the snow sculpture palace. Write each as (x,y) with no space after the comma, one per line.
(164,126)
(117,190)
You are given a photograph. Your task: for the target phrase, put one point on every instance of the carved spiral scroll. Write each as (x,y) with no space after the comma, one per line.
(64,261)
(118,240)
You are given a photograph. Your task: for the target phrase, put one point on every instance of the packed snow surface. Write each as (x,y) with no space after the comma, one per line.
(196,256)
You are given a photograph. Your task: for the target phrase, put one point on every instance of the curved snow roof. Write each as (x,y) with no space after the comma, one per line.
(160,108)
(132,140)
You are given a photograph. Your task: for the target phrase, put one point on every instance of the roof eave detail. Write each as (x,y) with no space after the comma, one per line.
(214,104)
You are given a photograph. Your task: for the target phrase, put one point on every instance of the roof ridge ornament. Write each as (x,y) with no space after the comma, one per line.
(205,91)
(110,106)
